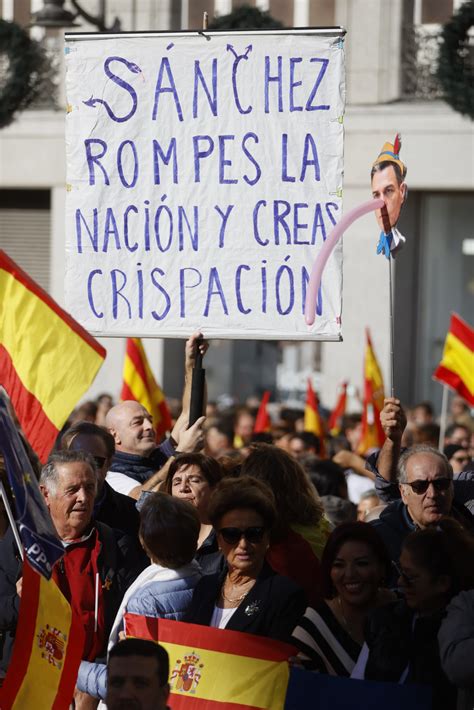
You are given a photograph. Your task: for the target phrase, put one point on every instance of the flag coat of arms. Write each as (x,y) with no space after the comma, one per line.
(218,669)
(47,360)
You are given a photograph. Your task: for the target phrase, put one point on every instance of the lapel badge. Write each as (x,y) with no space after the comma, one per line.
(252,608)
(107,584)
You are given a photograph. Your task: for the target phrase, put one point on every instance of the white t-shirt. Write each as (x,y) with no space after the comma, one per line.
(221,617)
(120,482)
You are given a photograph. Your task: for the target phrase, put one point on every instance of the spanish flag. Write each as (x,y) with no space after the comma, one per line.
(372,433)
(47,651)
(456,369)
(216,668)
(47,360)
(312,418)
(334,423)
(262,420)
(140,385)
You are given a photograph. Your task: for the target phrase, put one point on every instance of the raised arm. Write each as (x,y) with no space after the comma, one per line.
(394,421)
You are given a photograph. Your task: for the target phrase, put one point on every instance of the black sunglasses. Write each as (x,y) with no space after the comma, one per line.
(233,535)
(99,461)
(422,484)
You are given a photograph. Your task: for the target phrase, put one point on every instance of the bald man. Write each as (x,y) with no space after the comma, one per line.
(139,464)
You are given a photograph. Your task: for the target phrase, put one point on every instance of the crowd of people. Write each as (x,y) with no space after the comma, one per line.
(363,563)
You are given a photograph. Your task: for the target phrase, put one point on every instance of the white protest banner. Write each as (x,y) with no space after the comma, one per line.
(204,174)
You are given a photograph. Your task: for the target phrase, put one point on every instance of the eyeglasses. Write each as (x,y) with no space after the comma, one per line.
(410,580)
(99,461)
(422,484)
(233,535)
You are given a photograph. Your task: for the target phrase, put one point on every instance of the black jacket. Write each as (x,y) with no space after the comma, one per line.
(398,640)
(140,468)
(272,608)
(117,511)
(10,571)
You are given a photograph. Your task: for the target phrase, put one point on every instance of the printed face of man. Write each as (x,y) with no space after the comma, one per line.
(385,186)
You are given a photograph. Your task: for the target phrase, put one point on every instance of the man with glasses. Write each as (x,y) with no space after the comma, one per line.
(425,480)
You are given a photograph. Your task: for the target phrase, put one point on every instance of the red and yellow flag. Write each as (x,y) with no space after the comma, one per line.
(372,433)
(334,423)
(140,385)
(312,418)
(262,420)
(47,360)
(48,647)
(456,369)
(216,668)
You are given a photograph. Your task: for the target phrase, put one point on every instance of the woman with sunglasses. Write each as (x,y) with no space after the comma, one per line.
(193,477)
(354,567)
(401,639)
(248,595)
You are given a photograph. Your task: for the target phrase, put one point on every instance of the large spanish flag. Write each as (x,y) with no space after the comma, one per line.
(48,646)
(47,360)
(456,369)
(140,385)
(217,669)
(312,418)
(372,433)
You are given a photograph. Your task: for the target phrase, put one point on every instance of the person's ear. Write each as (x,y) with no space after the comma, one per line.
(45,493)
(404,190)
(116,436)
(403,493)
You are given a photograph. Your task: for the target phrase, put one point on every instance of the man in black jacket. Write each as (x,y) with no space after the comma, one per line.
(110,506)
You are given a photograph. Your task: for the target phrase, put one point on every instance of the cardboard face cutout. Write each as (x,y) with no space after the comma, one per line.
(388,183)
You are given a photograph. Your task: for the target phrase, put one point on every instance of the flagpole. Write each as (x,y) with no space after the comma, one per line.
(11,519)
(392,376)
(444,413)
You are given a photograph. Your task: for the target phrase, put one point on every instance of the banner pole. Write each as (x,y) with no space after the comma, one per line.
(11,519)
(444,415)
(392,376)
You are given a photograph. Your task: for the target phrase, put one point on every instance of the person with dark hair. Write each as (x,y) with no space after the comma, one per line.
(193,477)
(110,506)
(354,567)
(248,595)
(169,530)
(137,676)
(457,434)
(458,457)
(436,563)
(330,482)
(303,443)
(302,529)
